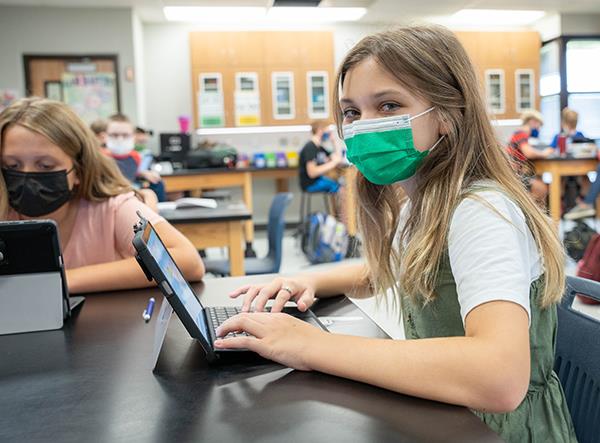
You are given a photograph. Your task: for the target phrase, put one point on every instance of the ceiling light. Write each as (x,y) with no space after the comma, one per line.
(495,17)
(312,15)
(212,14)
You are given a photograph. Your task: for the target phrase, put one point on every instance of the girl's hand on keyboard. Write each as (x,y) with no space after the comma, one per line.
(278,337)
(281,289)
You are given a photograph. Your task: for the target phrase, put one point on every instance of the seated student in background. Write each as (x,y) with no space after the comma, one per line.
(120,144)
(521,152)
(141,138)
(450,237)
(98,127)
(52,169)
(568,123)
(569,132)
(315,161)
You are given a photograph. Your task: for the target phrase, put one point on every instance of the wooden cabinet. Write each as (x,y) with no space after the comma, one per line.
(297,53)
(509,52)
(226,49)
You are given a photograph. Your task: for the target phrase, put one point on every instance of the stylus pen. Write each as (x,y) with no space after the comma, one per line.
(147,315)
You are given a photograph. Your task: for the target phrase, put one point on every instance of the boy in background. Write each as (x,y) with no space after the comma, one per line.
(120,145)
(521,152)
(315,161)
(568,123)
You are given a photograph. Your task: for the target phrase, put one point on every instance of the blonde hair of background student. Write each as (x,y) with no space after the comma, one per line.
(96,179)
(569,119)
(488,369)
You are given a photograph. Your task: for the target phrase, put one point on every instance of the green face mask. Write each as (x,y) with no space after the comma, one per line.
(383,149)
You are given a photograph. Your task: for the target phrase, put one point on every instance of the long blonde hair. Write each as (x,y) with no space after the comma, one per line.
(99,176)
(432,63)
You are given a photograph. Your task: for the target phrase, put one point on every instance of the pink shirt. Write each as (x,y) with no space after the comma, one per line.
(103,231)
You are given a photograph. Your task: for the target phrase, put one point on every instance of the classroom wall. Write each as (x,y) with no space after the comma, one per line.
(167,67)
(168,94)
(43,30)
(580,24)
(138,69)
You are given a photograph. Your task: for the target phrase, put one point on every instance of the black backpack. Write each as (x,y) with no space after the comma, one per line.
(577,239)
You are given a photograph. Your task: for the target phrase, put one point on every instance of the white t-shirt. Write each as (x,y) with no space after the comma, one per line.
(492,258)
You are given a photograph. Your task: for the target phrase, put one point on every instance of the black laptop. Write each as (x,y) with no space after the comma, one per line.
(201,322)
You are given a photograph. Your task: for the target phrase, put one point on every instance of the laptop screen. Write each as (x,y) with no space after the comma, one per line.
(179,285)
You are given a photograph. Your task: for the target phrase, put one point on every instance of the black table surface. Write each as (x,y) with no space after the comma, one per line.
(225,211)
(92,381)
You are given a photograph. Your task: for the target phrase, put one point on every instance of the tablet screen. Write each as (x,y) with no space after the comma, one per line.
(179,285)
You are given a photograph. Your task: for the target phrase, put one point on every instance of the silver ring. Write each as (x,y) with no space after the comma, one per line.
(287,288)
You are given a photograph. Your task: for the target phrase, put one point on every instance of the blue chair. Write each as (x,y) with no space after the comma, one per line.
(577,360)
(272,262)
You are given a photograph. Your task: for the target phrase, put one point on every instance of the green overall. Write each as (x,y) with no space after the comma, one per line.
(543,415)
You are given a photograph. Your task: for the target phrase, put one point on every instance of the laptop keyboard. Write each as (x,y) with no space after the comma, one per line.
(218,314)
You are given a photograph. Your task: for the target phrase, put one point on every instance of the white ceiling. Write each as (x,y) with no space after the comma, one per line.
(378,10)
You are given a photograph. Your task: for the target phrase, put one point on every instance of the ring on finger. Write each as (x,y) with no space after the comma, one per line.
(287,289)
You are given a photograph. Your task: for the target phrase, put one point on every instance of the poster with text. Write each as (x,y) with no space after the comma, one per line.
(210,100)
(91,95)
(247,108)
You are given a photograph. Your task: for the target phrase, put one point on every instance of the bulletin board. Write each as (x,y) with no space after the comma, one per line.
(88,83)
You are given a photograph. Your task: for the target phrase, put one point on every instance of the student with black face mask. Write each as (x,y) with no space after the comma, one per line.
(52,169)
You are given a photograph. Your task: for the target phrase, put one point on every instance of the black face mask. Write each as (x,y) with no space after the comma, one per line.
(36,193)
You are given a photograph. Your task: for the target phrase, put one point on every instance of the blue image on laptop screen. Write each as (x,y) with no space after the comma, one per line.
(180,287)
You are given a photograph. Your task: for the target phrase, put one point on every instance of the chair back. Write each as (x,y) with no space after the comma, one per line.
(577,359)
(276,227)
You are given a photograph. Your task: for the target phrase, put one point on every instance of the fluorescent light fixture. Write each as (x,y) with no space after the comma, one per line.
(250,15)
(253,130)
(318,14)
(497,17)
(213,14)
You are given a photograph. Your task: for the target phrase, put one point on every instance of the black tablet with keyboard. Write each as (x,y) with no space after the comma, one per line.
(201,322)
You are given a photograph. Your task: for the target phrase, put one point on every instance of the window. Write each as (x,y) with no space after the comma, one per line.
(283,95)
(318,94)
(583,66)
(588,107)
(549,69)
(550,109)
(494,88)
(524,89)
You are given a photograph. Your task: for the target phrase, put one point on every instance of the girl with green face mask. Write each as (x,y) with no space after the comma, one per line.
(475,266)
(383,149)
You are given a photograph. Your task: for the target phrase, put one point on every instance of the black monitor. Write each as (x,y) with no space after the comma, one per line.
(174,147)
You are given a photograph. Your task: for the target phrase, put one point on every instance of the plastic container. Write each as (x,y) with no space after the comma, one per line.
(292,159)
(184,123)
(271,160)
(259,160)
(562,145)
(281,160)
(242,161)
